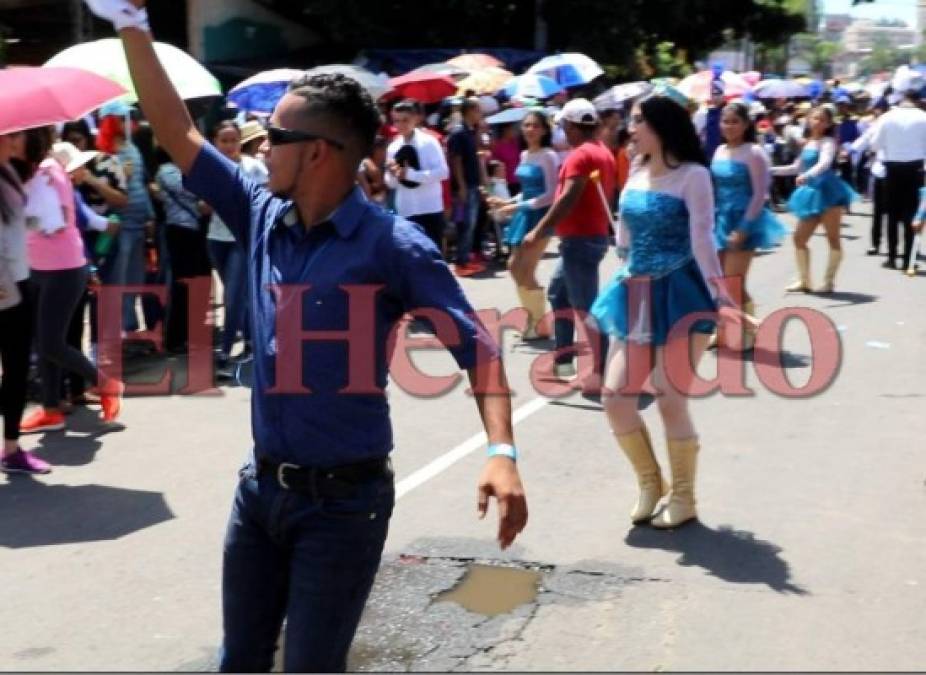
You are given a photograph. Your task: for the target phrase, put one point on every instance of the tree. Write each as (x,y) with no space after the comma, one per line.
(883,56)
(818,53)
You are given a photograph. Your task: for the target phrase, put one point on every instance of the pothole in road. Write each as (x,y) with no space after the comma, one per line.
(490,590)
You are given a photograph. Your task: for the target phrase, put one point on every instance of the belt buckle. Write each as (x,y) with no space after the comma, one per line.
(280,479)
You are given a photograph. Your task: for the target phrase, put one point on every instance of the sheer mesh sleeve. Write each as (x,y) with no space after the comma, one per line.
(698,194)
(548,162)
(759,176)
(827,157)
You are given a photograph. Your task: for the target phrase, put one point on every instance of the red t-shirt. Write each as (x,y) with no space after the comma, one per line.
(588,217)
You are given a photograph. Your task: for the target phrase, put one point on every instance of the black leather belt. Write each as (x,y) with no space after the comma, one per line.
(336,481)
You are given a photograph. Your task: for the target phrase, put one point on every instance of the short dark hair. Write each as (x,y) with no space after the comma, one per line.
(222,126)
(470,103)
(407,105)
(672,123)
(343,103)
(741,111)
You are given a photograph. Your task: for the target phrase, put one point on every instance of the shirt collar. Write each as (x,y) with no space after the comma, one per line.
(346,218)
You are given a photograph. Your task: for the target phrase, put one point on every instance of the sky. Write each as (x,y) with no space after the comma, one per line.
(891,9)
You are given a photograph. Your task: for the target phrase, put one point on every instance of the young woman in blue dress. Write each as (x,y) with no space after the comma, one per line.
(740,169)
(537,175)
(821,197)
(666,239)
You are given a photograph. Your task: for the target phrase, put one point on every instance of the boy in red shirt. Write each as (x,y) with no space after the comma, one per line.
(581,221)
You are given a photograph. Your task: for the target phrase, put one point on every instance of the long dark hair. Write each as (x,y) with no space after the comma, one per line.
(741,111)
(831,130)
(38,145)
(12,179)
(672,123)
(546,140)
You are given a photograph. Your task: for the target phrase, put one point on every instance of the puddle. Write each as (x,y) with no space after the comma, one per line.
(490,590)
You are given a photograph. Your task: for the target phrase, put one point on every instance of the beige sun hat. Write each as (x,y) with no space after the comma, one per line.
(70,157)
(252,130)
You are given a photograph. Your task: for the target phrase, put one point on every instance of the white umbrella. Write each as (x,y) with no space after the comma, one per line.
(568,70)
(616,96)
(775,88)
(107,58)
(377,85)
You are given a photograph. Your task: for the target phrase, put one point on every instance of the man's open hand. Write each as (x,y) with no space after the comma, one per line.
(500,480)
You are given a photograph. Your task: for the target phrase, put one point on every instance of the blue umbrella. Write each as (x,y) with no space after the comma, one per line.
(569,70)
(263,91)
(532,85)
(515,115)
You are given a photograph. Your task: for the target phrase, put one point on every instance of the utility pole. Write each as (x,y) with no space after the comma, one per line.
(80,24)
(541,37)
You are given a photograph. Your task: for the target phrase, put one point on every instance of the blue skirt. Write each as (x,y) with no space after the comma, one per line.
(671,298)
(523,221)
(765,231)
(820,194)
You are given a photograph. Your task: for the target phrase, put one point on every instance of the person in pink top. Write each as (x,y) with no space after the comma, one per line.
(507,150)
(59,278)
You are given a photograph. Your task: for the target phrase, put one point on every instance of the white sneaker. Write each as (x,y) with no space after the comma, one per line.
(565,371)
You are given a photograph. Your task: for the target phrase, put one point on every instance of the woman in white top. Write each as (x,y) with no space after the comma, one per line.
(821,197)
(228,257)
(666,297)
(16,319)
(537,174)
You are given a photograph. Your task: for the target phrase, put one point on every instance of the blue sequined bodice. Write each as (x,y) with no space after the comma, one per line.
(532,181)
(809,159)
(732,183)
(660,240)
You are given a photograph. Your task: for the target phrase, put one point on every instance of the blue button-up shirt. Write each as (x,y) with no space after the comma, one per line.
(359,245)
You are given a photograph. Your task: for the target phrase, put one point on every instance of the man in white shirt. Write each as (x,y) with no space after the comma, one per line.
(415,168)
(901,138)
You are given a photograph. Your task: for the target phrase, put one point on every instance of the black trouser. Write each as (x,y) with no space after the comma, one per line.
(76,385)
(904,180)
(880,210)
(189,259)
(57,294)
(433,226)
(15,347)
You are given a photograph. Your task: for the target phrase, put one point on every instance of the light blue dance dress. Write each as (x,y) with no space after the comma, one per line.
(824,188)
(736,203)
(661,218)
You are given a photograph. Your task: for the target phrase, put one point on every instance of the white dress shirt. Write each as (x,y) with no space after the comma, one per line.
(901,135)
(428,197)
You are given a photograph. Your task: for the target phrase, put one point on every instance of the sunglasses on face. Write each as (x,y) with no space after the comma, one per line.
(279,136)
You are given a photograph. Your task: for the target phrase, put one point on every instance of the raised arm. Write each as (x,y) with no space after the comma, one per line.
(160,102)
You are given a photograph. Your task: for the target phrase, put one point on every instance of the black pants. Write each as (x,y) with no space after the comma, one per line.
(903,183)
(433,226)
(75,385)
(56,296)
(189,259)
(880,210)
(15,347)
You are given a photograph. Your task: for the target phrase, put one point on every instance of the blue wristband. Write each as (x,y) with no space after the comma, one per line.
(503,450)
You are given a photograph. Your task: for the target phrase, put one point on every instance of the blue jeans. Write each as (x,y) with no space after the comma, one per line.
(230,261)
(574,285)
(130,271)
(466,228)
(309,559)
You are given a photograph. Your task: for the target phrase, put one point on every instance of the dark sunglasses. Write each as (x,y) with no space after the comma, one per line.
(278,136)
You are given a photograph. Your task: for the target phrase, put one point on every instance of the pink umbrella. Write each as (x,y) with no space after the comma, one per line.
(423,86)
(36,97)
(475,61)
(752,77)
(698,86)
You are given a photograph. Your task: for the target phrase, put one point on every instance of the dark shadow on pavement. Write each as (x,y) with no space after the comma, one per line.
(79,444)
(578,406)
(64,514)
(735,556)
(779,359)
(847,298)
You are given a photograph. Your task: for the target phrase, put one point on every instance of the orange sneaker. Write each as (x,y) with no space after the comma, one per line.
(464,270)
(40,421)
(111,401)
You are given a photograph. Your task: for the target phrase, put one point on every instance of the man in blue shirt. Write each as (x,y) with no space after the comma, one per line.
(330,275)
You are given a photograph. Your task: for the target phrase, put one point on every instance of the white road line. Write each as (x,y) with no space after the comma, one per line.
(448,459)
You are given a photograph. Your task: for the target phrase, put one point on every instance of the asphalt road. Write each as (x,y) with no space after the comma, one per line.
(809,553)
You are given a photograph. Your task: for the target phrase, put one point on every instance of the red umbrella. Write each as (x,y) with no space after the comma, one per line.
(423,86)
(36,97)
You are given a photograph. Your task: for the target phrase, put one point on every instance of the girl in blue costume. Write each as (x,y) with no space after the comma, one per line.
(742,224)
(537,174)
(667,240)
(821,197)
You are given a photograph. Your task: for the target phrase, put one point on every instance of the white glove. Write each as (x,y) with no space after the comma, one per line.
(121,13)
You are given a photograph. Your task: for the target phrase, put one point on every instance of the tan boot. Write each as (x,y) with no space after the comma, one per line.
(829,277)
(802,285)
(535,301)
(683,457)
(749,333)
(524,297)
(639,450)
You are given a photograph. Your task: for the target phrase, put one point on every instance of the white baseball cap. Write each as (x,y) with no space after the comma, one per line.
(579,111)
